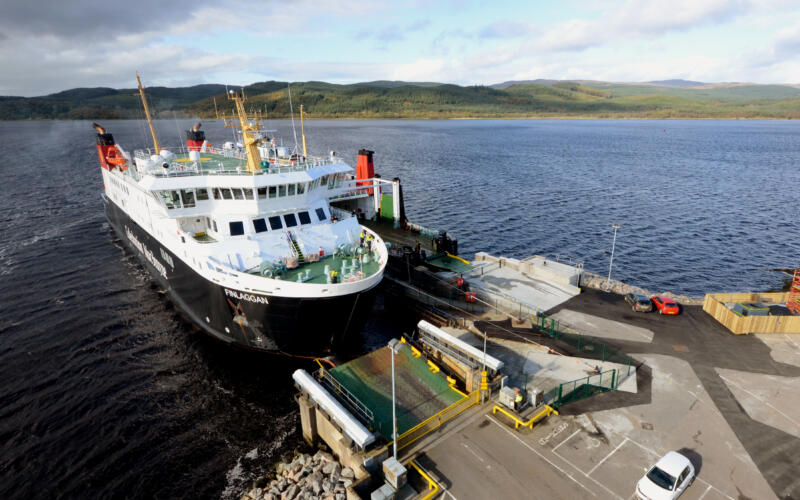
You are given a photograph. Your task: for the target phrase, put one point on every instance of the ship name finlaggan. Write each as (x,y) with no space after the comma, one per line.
(258,299)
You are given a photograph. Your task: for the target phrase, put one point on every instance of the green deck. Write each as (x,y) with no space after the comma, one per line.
(316,270)
(420,392)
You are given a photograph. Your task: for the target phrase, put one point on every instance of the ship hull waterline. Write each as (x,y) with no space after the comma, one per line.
(307,326)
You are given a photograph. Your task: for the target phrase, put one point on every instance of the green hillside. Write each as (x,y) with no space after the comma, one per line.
(392,99)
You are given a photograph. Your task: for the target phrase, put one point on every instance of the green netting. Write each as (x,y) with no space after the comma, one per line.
(387,206)
(420,392)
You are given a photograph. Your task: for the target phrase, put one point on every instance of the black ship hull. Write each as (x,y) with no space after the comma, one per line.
(307,326)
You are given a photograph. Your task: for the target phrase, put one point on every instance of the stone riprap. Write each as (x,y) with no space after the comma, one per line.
(306,477)
(592,280)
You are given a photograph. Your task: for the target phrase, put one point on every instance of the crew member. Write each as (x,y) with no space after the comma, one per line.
(321,253)
(363,235)
(517,401)
(334,276)
(370,238)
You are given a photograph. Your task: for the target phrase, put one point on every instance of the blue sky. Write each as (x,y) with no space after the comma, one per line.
(48,46)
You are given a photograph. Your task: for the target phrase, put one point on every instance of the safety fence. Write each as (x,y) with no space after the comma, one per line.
(581,388)
(544,413)
(431,424)
(587,347)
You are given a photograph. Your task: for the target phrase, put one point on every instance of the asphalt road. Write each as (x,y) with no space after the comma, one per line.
(697,338)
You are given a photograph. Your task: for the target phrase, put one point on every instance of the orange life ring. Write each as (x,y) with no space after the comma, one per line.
(116,160)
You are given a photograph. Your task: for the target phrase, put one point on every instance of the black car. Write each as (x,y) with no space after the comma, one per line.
(639,302)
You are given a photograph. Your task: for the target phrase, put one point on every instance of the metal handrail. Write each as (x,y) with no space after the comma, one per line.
(433,486)
(546,412)
(348,398)
(442,347)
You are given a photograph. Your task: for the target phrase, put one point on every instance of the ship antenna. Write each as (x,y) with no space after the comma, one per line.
(303,132)
(147,113)
(291,112)
(177,128)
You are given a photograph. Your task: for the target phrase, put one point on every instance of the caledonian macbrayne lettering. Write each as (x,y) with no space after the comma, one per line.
(146,252)
(257,299)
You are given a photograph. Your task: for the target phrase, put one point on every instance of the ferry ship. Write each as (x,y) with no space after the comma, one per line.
(245,239)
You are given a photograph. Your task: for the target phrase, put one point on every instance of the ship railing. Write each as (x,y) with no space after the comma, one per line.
(271,166)
(353,188)
(339,213)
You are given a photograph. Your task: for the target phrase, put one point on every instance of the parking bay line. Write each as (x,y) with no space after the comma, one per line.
(697,478)
(606,457)
(543,457)
(564,441)
(598,483)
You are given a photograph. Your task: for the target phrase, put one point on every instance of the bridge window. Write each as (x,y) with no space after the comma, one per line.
(226,193)
(281,191)
(273,191)
(275,222)
(260,225)
(304,217)
(290,220)
(171,199)
(187,196)
(291,189)
(237,228)
(301,188)
(202,194)
(262,193)
(217,194)
(321,214)
(237,194)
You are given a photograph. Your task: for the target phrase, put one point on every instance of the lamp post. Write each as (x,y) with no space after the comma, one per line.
(484,382)
(611,262)
(394,346)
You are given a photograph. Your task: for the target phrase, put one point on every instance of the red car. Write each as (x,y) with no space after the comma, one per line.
(665,305)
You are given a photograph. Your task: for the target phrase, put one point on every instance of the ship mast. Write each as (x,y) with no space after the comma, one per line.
(147,114)
(248,129)
(303,132)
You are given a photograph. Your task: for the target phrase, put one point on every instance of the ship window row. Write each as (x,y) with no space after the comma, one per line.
(183,198)
(187,198)
(277,222)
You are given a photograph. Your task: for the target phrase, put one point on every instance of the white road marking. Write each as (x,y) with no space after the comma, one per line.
(696,478)
(543,457)
(606,457)
(472,451)
(564,441)
(790,419)
(441,487)
(587,476)
(704,493)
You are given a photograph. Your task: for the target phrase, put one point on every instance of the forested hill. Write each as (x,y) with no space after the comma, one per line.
(388,99)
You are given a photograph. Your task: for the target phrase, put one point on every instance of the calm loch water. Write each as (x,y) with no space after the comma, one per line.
(106,393)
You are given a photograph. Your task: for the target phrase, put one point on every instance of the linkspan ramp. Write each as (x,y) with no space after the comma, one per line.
(420,392)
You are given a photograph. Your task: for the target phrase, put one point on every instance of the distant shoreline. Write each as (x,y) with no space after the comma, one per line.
(440,118)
